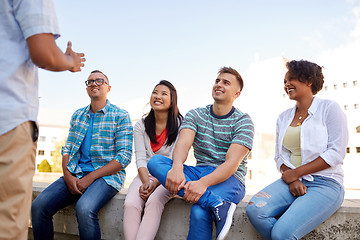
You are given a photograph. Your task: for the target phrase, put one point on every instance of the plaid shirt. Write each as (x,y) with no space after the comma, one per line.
(112,138)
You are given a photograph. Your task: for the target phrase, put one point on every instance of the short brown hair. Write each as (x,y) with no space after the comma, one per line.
(233,72)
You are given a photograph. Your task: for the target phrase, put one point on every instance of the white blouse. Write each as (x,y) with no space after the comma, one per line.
(324,133)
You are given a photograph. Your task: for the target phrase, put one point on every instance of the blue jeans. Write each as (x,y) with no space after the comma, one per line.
(201,217)
(276,214)
(57,196)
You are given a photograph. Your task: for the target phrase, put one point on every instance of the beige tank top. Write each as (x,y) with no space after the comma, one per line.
(292,143)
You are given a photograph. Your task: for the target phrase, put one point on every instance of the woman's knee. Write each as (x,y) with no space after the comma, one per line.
(251,208)
(256,209)
(134,205)
(155,202)
(250,211)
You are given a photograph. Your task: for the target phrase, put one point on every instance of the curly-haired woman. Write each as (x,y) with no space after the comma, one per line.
(311,140)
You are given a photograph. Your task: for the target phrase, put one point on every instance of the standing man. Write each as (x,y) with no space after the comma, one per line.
(98,149)
(28,29)
(221,136)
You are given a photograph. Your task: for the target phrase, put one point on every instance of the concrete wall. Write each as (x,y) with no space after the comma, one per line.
(344,224)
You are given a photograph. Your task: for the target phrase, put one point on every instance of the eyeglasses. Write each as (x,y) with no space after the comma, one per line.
(98,82)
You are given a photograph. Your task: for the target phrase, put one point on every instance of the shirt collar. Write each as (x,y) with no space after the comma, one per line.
(221,117)
(312,109)
(103,110)
(314,106)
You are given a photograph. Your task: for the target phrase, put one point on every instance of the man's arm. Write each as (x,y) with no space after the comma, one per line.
(45,54)
(110,168)
(195,189)
(175,179)
(70,180)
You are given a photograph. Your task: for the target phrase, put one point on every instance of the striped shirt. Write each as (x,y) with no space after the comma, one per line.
(112,138)
(215,134)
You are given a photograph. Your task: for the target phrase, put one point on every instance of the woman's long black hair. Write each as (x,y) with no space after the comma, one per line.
(174,117)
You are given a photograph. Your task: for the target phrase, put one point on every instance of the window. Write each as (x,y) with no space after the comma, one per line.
(355,83)
(41,152)
(345,85)
(326,88)
(335,86)
(346,107)
(54,139)
(347,150)
(42,138)
(356,106)
(357,149)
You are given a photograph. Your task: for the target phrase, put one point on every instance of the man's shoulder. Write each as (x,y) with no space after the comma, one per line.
(116,110)
(200,110)
(239,115)
(81,111)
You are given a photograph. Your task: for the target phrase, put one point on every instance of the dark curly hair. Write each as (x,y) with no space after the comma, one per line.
(306,72)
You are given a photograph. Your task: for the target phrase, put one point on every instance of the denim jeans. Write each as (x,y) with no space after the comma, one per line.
(57,196)
(277,214)
(201,217)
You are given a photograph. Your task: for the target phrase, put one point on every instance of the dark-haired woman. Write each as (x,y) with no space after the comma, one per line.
(311,140)
(155,134)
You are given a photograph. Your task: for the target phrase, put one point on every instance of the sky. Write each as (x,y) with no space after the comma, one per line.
(138,43)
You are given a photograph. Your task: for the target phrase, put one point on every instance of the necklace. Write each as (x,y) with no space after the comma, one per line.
(301,119)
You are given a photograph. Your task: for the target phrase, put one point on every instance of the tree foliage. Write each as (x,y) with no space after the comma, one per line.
(56,157)
(44,166)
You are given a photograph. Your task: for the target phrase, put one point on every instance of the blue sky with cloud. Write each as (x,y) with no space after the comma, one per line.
(138,43)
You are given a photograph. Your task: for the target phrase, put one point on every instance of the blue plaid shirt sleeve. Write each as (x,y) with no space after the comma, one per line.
(124,140)
(70,140)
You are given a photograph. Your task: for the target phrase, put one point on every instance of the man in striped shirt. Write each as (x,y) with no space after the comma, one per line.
(221,137)
(98,149)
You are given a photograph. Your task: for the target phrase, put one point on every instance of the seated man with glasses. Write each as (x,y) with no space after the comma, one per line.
(97,150)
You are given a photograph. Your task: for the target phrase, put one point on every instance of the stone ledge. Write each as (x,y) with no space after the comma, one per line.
(344,224)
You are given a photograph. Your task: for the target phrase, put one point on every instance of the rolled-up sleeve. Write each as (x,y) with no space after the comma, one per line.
(124,141)
(336,124)
(70,139)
